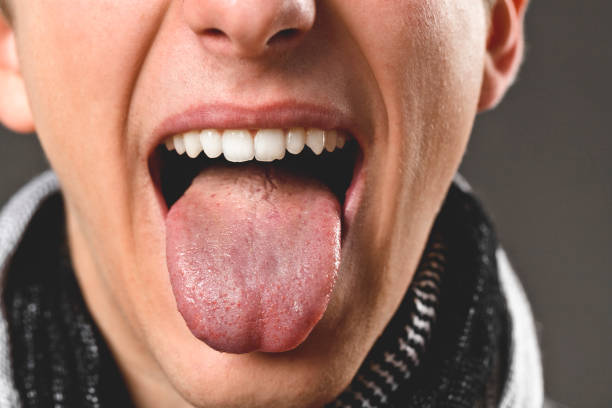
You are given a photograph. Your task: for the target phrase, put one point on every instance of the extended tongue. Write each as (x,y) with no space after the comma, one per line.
(253,252)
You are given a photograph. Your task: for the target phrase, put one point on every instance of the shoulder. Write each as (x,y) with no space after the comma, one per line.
(14,219)
(18,211)
(524,385)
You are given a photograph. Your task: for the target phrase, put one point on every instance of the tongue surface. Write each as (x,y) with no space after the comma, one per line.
(253,254)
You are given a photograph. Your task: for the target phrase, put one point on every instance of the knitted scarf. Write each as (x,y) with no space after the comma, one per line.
(447,345)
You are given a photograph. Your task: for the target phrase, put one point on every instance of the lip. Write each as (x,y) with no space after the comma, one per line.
(284,114)
(274,115)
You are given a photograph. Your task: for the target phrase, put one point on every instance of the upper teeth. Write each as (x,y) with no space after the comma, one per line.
(239,145)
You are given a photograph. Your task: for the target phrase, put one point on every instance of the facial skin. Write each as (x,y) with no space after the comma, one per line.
(96,78)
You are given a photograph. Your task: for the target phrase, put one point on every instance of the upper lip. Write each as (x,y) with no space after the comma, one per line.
(274,115)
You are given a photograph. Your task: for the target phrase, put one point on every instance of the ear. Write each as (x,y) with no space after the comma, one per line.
(15,111)
(504,50)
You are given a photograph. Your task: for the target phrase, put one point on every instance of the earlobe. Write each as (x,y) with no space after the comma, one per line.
(15,112)
(504,51)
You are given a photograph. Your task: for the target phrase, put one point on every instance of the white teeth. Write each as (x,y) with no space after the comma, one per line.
(178,144)
(193,147)
(341,141)
(315,139)
(331,137)
(169,143)
(211,143)
(269,144)
(296,139)
(238,145)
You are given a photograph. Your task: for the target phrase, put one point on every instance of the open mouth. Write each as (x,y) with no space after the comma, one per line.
(328,156)
(254,225)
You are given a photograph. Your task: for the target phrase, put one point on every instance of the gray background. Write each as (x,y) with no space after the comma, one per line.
(541,163)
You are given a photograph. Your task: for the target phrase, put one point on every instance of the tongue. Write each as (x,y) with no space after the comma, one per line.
(253,254)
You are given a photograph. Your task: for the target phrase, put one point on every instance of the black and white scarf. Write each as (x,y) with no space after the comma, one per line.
(448,344)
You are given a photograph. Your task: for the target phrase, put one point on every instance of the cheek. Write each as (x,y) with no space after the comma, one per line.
(427,60)
(79,66)
(433,105)
(440,88)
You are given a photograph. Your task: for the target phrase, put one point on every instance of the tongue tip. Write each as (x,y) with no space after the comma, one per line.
(249,344)
(224,347)
(278,332)
(229,347)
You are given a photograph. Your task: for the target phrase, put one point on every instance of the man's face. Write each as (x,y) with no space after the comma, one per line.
(109,80)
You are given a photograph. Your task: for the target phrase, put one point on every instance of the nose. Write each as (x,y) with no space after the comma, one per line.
(249,28)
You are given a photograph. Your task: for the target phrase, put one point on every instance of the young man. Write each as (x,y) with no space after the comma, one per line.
(257,203)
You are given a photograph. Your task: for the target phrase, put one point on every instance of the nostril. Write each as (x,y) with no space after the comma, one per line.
(284,36)
(248,28)
(215,34)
